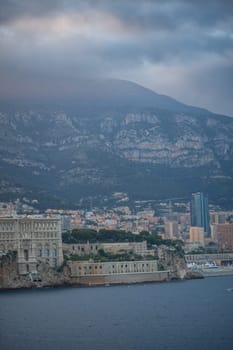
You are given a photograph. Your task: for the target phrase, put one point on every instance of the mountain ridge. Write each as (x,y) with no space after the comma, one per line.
(78,151)
(123,93)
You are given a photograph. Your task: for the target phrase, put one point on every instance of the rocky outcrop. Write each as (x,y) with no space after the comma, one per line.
(169,259)
(46,277)
(171,266)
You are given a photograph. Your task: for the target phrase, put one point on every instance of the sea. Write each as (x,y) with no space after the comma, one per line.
(194,314)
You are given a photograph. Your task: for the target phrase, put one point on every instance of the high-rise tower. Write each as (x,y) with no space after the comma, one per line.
(199,212)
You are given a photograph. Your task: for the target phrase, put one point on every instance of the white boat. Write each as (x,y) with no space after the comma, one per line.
(210,266)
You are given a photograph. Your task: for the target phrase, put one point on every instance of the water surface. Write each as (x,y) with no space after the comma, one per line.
(195,314)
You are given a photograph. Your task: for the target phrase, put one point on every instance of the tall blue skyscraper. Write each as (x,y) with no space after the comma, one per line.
(199,212)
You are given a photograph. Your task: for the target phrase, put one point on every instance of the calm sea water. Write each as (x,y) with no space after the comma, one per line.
(189,315)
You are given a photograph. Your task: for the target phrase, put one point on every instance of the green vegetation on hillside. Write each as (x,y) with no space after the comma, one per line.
(103,256)
(114,236)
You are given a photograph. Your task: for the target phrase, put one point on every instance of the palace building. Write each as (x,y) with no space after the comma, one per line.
(35,239)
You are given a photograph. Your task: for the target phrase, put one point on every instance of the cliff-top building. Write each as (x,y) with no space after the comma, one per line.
(34,239)
(82,249)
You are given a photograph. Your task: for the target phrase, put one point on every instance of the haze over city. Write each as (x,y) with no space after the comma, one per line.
(179,48)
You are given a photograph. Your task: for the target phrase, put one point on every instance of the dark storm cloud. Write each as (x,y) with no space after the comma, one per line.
(55,43)
(148,13)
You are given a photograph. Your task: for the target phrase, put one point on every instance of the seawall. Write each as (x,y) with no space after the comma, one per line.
(126,278)
(220,271)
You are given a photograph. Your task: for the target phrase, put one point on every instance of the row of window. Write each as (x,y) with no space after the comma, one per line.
(45,234)
(28,235)
(85,248)
(38,225)
(7,235)
(27,226)
(210,256)
(123,268)
(7,227)
(114,266)
(46,252)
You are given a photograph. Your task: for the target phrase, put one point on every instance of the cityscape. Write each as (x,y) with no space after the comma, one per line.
(199,229)
(172,219)
(116,175)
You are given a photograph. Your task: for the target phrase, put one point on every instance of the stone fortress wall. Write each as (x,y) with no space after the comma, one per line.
(81,268)
(88,248)
(104,273)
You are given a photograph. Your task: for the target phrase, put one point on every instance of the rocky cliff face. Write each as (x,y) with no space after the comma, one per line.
(80,152)
(178,141)
(48,277)
(173,261)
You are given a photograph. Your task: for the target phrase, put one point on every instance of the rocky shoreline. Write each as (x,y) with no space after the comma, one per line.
(62,277)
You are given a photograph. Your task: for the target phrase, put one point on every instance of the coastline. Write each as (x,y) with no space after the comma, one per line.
(86,281)
(49,278)
(224,271)
(88,273)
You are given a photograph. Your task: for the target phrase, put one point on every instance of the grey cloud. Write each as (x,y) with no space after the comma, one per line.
(182,20)
(145,13)
(220,79)
(168,32)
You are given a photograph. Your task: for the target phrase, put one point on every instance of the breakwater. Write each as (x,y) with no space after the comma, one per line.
(218,271)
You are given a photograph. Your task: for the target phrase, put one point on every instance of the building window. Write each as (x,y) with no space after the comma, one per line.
(46,252)
(38,252)
(54,252)
(26,254)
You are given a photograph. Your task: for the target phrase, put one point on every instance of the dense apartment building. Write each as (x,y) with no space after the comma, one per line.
(35,239)
(197,235)
(225,236)
(171,230)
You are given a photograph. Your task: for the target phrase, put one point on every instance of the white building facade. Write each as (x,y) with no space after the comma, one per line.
(34,239)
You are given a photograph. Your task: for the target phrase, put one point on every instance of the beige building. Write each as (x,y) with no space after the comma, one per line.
(139,248)
(34,239)
(81,268)
(225,236)
(197,235)
(171,230)
(214,232)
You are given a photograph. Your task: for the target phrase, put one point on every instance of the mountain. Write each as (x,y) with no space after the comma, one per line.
(114,136)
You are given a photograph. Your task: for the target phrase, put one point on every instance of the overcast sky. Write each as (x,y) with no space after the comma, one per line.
(180,48)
